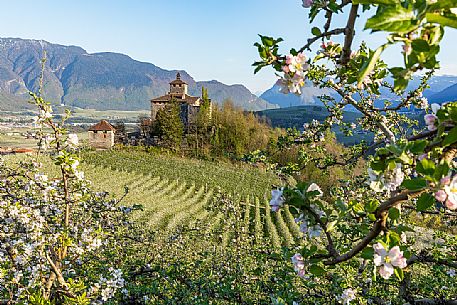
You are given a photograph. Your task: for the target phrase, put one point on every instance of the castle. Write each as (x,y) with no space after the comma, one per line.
(190,105)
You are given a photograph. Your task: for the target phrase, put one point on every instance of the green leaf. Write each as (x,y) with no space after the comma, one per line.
(331,225)
(358,208)
(405,158)
(443,4)
(394,213)
(424,202)
(393,19)
(414,184)
(399,274)
(267,41)
(451,137)
(371,205)
(425,167)
(333,6)
(367,253)
(420,45)
(374,56)
(316,270)
(394,239)
(316,31)
(448,20)
(418,147)
(441,170)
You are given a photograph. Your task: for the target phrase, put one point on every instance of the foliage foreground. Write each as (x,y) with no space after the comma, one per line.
(362,237)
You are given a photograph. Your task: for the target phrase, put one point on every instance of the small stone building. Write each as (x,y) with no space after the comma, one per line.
(190,105)
(101,135)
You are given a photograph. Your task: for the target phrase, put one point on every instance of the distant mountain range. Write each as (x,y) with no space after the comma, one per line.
(100,81)
(442,89)
(115,81)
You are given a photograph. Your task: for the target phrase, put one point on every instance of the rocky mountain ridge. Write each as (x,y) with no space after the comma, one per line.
(100,81)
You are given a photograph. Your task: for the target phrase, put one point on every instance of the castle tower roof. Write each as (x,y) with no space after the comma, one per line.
(178,80)
(102,126)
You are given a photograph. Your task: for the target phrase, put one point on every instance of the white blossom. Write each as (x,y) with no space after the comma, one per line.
(347,296)
(388,260)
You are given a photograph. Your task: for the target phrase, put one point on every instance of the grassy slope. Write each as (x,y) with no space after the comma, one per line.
(243,180)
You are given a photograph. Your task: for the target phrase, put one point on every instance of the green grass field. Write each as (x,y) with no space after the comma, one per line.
(231,178)
(14,138)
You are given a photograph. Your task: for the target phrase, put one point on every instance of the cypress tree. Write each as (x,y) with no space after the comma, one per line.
(169,125)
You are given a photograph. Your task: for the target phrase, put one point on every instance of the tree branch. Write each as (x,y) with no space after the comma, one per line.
(307,46)
(379,225)
(349,33)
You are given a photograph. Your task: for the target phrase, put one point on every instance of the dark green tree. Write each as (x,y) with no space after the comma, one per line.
(169,126)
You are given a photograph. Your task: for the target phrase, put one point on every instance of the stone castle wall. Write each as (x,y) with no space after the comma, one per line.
(155,107)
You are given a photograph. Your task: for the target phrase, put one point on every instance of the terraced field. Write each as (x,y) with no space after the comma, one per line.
(239,179)
(169,204)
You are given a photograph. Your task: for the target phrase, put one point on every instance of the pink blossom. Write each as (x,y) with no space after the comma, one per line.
(307,3)
(347,296)
(451,204)
(430,120)
(325,45)
(445,180)
(435,107)
(423,156)
(388,260)
(407,49)
(441,195)
(451,191)
(290,59)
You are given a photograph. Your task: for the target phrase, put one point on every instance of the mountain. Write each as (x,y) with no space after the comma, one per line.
(100,81)
(447,95)
(442,89)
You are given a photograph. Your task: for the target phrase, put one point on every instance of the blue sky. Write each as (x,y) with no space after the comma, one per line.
(210,39)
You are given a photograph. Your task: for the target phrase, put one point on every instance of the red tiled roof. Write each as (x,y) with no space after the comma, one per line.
(102,126)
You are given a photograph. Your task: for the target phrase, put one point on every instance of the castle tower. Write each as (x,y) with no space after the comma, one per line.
(190,105)
(178,88)
(101,135)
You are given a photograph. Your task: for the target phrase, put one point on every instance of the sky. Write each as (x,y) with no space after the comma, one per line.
(210,39)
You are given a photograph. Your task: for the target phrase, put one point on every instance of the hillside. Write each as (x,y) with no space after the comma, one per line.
(298,115)
(100,81)
(295,117)
(442,89)
(447,95)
